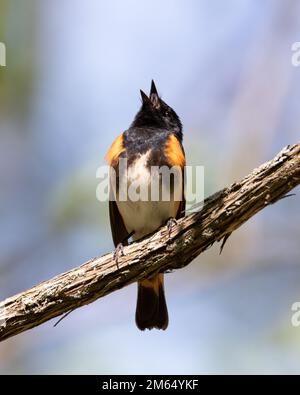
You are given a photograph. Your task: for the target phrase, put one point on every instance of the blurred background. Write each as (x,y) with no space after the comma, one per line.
(71,85)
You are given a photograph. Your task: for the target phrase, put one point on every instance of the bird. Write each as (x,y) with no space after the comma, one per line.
(153,140)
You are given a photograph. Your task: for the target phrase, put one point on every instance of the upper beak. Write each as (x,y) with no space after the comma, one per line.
(153,90)
(154,95)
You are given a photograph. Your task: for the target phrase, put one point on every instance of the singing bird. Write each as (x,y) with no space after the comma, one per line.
(153,139)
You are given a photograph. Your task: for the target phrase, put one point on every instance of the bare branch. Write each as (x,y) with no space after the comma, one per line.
(223,213)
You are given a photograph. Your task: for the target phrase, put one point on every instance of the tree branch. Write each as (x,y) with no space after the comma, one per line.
(222,213)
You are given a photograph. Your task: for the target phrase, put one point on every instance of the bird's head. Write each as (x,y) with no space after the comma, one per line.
(155,113)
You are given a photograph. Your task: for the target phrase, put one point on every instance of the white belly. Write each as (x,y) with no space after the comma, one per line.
(144,217)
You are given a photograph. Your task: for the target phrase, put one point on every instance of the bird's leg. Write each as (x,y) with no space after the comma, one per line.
(119,251)
(170,224)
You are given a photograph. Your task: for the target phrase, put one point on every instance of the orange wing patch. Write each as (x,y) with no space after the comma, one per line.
(174,152)
(115,150)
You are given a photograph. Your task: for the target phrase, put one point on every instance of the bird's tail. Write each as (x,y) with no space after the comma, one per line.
(151,308)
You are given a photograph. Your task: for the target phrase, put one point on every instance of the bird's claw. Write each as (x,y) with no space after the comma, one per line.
(170,224)
(119,251)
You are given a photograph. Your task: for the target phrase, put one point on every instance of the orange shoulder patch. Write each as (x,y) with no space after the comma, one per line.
(115,150)
(174,152)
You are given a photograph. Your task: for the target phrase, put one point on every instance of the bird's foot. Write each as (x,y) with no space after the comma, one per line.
(119,251)
(170,224)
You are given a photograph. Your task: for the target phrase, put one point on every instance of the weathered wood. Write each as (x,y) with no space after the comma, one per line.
(223,212)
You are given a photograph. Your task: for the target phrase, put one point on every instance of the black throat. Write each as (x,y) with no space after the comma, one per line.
(147,119)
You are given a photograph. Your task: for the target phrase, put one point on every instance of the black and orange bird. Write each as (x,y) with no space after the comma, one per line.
(154,139)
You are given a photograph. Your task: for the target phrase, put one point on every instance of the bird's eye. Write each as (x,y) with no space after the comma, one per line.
(167,113)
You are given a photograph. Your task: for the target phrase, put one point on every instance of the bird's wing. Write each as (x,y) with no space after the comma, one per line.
(175,155)
(118,230)
(181,208)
